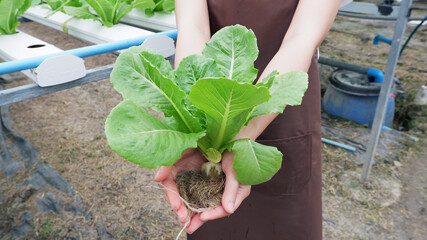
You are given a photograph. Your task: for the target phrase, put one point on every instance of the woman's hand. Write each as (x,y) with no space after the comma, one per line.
(191,159)
(234,192)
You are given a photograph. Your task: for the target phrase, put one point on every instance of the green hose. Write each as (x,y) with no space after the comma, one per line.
(412,33)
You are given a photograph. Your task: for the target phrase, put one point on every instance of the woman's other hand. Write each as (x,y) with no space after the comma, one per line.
(191,159)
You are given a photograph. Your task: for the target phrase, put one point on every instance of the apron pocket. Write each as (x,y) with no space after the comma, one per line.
(295,172)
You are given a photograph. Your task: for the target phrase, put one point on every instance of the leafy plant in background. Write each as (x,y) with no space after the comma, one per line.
(206,101)
(108,12)
(58,5)
(161,6)
(36,2)
(10,10)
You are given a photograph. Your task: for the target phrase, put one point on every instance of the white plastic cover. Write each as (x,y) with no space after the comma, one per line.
(160,44)
(59,69)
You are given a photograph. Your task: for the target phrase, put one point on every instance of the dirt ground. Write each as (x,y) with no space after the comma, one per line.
(67,128)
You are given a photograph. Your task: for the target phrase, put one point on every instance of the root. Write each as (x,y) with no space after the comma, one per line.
(187,204)
(187,221)
(197,192)
(212,170)
(200,192)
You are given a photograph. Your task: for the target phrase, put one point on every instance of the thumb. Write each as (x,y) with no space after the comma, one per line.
(162,173)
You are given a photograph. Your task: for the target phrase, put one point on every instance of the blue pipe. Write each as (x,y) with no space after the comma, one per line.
(19,65)
(379,38)
(410,136)
(377,74)
(350,148)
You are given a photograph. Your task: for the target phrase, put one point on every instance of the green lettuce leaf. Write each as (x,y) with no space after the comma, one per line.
(25,5)
(120,11)
(234,49)
(141,138)
(193,68)
(10,10)
(160,63)
(286,89)
(268,80)
(58,5)
(55,4)
(108,12)
(104,10)
(168,5)
(160,6)
(36,2)
(142,4)
(80,12)
(190,70)
(139,80)
(227,105)
(255,163)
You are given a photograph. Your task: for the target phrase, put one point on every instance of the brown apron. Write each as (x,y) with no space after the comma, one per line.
(289,205)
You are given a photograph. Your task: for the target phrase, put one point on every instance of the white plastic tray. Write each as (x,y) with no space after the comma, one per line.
(84,29)
(157,22)
(52,71)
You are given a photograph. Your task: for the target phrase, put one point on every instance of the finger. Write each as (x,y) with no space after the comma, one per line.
(194,224)
(174,200)
(165,195)
(219,212)
(231,185)
(212,214)
(162,173)
(182,214)
(171,191)
(243,192)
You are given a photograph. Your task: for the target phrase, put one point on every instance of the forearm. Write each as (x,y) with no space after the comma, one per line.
(287,59)
(284,61)
(193,28)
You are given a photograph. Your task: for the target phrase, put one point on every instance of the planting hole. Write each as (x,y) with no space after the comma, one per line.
(36,46)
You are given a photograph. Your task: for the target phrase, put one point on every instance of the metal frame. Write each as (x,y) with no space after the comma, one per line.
(21,93)
(393,56)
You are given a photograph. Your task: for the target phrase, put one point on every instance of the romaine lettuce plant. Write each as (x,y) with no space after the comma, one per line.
(206,101)
(108,12)
(36,2)
(161,6)
(10,10)
(58,5)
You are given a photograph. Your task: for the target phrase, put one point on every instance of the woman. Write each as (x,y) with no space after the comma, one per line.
(289,205)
